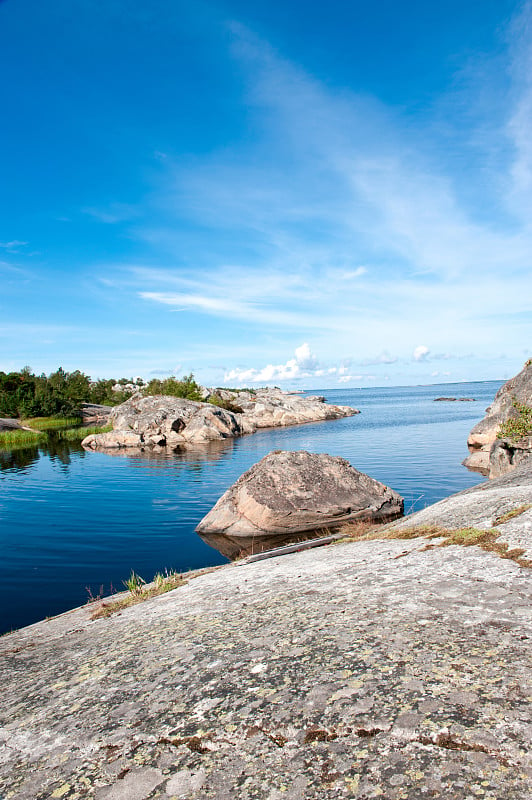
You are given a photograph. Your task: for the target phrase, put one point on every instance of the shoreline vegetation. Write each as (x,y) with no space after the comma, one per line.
(44,403)
(24,395)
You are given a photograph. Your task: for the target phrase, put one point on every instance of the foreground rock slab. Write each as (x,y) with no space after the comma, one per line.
(360,670)
(163,421)
(289,493)
(487,454)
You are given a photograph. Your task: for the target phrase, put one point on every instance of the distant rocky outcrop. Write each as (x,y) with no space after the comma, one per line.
(454,399)
(9,425)
(489,454)
(287,494)
(164,421)
(94,414)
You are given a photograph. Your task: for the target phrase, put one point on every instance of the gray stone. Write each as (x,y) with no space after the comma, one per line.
(505,455)
(9,425)
(483,506)
(347,671)
(485,433)
(163,421)
(290,493)
(94,414)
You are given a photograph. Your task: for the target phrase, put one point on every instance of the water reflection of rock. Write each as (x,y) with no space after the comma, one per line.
(190,455)
(242,546)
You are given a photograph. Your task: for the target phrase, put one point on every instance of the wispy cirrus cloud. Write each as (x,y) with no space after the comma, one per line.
(345,223)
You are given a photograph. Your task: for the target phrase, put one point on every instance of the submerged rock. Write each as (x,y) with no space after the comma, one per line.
(164,421)
(484,436)
(287,494)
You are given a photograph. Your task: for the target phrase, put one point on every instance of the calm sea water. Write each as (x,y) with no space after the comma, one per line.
(73,522)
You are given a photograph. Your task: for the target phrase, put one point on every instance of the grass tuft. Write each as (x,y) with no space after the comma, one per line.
(11,440)
(139,590)
(50,423)
(78,434)
(515,512)
(518,426)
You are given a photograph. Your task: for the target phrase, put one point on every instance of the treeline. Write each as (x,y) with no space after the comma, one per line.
(24,394)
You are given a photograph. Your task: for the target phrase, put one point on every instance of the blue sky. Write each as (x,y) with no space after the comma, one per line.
(284,193)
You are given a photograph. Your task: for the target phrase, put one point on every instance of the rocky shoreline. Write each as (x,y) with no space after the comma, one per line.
(392,669)
(396,668)
(170,422)
(491,453)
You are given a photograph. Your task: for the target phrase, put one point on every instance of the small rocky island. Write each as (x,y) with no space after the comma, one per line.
(162,421)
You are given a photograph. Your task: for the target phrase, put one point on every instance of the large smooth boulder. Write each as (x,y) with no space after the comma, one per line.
(288,494)
(484,436)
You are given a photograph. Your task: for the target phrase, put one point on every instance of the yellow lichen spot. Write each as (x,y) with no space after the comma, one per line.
(485,783)
(283,787)
(417,775)
(61,790)
(75,707)
(230,728)
(355,684)
(353,782)
(59,685)
(346,673)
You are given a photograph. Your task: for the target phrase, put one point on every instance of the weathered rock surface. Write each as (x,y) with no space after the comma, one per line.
(484,435)
(483,506)
(288,493)
(163,421)
(9,425)
(362,670)
(505,455)
(94,414)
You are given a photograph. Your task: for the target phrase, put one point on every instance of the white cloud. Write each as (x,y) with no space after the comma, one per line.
(304,365)
(421,353)
(382,358)
(362,256)
(12,247)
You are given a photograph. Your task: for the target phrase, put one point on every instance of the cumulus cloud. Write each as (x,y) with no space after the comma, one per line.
(303,365)
(421,353)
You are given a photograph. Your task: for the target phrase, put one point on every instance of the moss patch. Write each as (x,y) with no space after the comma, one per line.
(515,512)
(466,537)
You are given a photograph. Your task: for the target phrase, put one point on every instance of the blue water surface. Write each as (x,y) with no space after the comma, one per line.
(74,522)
